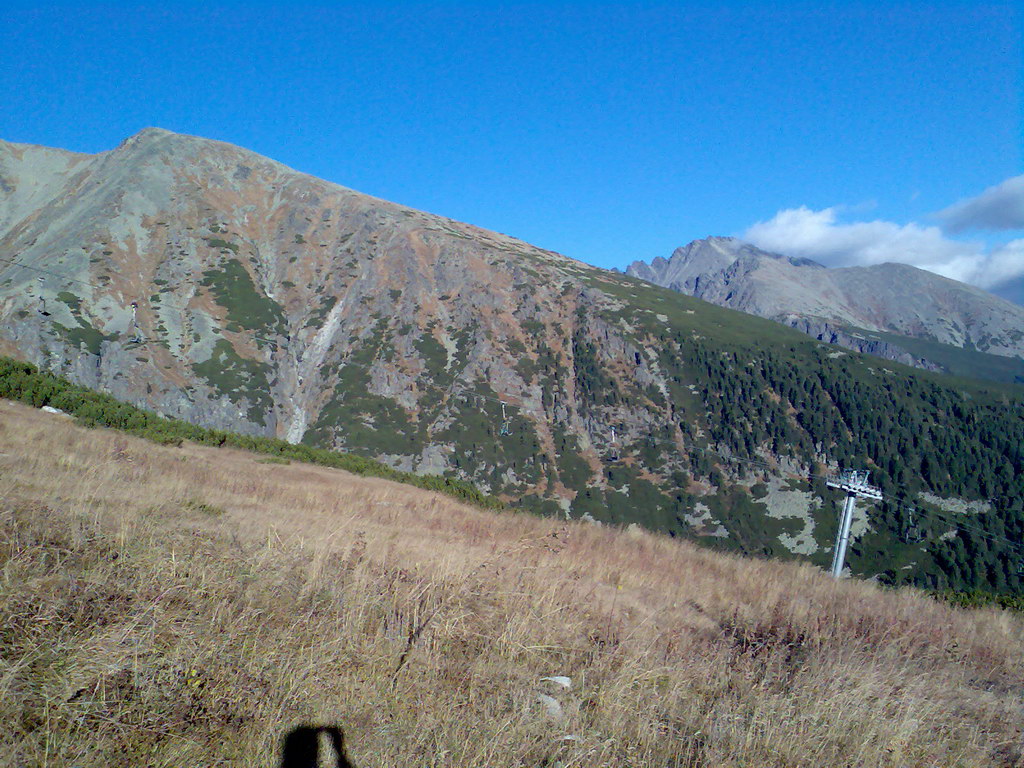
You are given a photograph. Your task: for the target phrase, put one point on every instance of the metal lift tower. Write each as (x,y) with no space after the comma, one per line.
(855,483)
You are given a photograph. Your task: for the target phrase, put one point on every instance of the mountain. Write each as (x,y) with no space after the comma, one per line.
(862,308)
(210,284)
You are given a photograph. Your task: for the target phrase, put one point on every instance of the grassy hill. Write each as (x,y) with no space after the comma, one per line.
(168,605)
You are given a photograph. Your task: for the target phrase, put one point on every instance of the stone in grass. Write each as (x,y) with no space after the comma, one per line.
(551,707)
(560,680)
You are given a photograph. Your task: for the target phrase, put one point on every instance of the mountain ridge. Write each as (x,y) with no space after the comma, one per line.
(843,302)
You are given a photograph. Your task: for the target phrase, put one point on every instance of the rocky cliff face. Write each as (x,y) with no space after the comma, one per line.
(838,305)
(849,338)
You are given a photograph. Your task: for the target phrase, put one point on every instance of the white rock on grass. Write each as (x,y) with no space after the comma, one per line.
(560,680)
(551,706)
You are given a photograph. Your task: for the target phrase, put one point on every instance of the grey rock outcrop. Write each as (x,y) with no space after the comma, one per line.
(270,302)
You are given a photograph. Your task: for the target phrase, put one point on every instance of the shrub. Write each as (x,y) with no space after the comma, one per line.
(25,383)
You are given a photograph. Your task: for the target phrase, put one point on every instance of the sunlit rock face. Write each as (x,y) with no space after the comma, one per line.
(209,283)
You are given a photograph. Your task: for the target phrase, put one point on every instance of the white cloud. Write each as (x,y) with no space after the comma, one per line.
(1003,264)
(998,207)
(819,236)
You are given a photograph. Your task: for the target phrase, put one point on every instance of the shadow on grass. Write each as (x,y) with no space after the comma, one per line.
(302,747)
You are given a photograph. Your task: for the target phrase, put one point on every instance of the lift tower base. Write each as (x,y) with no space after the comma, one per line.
(855,483)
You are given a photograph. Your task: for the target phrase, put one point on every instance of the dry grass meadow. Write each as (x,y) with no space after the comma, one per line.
(165,606)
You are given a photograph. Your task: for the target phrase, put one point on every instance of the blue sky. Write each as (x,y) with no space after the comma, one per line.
(608,132)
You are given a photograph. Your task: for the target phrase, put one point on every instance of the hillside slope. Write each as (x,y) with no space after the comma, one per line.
(272,303)
(853,305)
(192,606)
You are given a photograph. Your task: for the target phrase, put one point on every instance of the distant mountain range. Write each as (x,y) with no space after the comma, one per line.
(863,308)
(203,281)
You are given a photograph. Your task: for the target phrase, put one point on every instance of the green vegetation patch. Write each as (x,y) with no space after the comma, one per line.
(573,471)
(238,378)
(362,419)
(482,451)
(74,303)
(246,307)
(367,422)
(977,598)
(221,244)
(433,354)
(751,530)
(85,335)
(319,314)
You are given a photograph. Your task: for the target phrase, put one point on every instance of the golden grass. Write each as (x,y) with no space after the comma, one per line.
(190,606)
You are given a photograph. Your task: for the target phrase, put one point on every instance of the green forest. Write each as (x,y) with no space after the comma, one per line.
(744,391)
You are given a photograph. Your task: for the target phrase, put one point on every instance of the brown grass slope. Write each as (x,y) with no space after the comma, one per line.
(189,606)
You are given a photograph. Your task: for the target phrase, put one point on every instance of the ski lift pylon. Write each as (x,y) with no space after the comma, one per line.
(912,533)
(505,426)
(42,299)
(136,337)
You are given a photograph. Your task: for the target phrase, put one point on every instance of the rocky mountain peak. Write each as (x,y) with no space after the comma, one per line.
(151,141)
(845,303)
(150,133)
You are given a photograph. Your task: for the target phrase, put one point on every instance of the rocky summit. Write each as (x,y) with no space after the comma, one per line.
(867,309)
(208,283)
